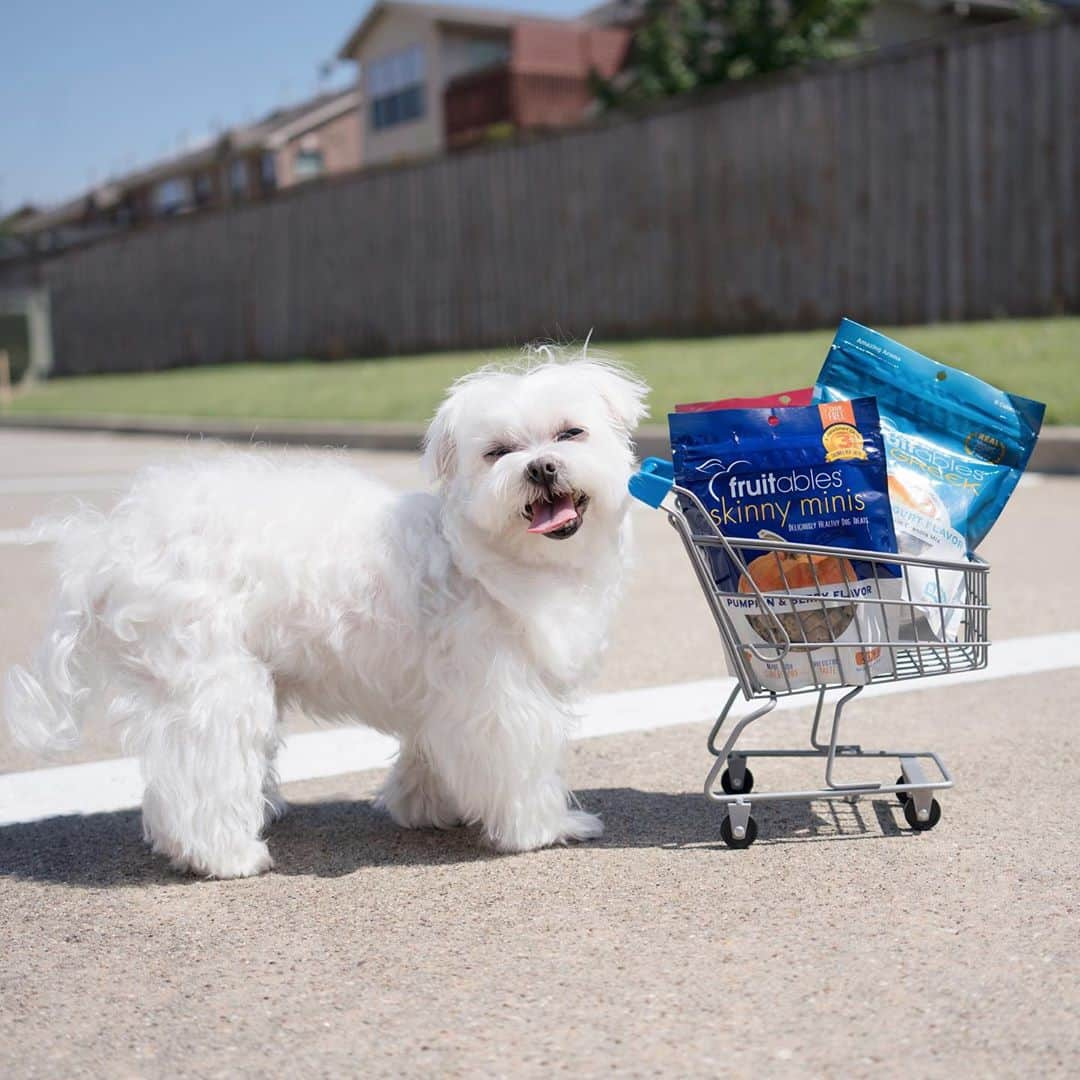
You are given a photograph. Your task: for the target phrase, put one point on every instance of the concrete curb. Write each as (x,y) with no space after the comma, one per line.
(371,436)
(1058,449)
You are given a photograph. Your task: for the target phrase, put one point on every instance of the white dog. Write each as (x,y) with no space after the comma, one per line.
(462,622)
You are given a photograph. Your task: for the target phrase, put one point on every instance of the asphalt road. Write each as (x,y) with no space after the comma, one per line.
(841,944)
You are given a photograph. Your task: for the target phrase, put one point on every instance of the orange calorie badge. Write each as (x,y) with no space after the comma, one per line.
(841,439)
(836,412)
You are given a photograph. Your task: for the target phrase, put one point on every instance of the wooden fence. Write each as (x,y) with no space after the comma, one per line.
(939,182)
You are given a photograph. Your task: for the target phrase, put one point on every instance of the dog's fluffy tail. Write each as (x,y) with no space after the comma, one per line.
(43,705)
(40,720)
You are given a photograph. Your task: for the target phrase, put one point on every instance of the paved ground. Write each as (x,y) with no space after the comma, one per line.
(839,945)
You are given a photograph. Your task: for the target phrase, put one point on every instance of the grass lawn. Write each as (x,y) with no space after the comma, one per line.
(1039,358)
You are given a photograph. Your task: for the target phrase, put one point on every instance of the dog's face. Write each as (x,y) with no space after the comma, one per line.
(538,458)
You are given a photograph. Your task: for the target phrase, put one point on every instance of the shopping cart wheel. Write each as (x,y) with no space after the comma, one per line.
(729,837)
(730,789)
(902,796)
(913,820)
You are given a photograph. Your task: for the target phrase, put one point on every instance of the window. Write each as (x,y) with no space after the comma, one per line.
(238,180)
(309,164)
(462,54)
(395,88)
(397,108)
(204,189)
(268,170)
(171,196)
(481,53)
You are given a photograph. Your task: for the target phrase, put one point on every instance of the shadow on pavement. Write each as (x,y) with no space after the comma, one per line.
(332,839)
(327,839)
(96,850)
(636,818)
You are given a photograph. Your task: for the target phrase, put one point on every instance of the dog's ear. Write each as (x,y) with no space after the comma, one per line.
(623,393)
(440,447)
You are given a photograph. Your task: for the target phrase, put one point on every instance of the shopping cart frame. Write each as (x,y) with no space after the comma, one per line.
(958,643)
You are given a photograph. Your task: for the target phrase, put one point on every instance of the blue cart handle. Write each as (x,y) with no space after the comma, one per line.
(652,482)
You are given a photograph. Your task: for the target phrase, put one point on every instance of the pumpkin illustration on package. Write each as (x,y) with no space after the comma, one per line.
(921,499)
(811,623)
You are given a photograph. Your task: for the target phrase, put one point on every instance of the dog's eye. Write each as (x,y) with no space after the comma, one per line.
(497,452)
(570,433)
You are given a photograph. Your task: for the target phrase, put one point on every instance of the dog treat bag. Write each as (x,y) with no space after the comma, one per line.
(802,396)
(810,475)
(956,449)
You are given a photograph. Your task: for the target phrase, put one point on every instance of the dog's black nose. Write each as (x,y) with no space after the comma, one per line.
(543,470)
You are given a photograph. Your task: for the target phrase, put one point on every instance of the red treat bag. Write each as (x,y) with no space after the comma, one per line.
(769,401)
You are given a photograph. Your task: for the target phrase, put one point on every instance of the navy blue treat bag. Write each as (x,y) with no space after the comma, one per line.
(811,475)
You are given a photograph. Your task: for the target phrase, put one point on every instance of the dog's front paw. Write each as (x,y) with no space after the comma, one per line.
(248,860)
(528,836)
(580,825)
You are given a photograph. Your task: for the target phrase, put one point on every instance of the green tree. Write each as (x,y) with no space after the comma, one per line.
(685,44)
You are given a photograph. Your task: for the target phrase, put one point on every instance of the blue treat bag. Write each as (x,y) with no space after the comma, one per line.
(804,474)
(956,449)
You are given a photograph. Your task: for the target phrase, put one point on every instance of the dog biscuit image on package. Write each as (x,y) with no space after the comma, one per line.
(811,475)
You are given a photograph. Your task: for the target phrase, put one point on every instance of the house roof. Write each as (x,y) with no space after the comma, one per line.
(445,14)
(204,152)
(18,214)
(268,133)
(284,124)
(68,212)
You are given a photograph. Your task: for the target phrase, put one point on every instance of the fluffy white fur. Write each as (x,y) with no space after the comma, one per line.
(216,594)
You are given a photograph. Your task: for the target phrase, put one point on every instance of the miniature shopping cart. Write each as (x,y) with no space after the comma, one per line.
(924,638)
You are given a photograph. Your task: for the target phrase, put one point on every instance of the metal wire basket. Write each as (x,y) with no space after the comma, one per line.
(939,628)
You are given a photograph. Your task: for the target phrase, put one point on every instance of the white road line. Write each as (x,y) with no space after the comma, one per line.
(23,536)
(668,706)
(104,786)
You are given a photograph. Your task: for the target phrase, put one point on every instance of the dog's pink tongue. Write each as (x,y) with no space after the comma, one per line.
(549,516)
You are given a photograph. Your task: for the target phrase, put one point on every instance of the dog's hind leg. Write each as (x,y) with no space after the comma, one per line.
(206,755)
(275,806)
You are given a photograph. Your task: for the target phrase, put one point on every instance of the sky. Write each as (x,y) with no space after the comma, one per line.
(90,90)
